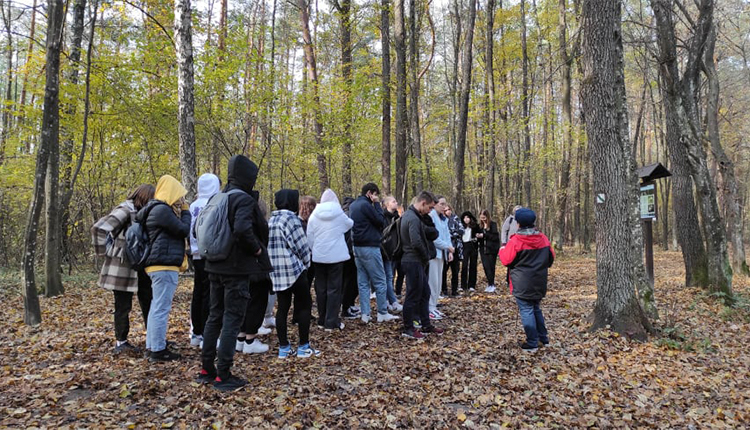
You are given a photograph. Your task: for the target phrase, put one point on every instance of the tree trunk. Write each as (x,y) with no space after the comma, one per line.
(401,113)
(567,127)
(620,271)
(490,117)
(8,102)
(525,110)
(463,113)
(29,52)
(385,44)
(686,139)
(50,137)
(729,188)
(185,96)
(416,137)
(344,9)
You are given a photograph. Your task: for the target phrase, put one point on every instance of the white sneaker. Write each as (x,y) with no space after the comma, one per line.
(365,319)
(330,330)
(490,289)
(237,346)
(196,340)
(262,331)
(435,316)
(387,317)
(255,347)
(373,296)
(269,322)
(395,307)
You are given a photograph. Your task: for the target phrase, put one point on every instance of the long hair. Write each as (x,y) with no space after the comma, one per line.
(486,213)
(141,195)
(306,206)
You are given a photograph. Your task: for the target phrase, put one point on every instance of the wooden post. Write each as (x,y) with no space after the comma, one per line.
(648,244)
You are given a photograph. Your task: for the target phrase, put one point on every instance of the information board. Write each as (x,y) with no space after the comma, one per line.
(648,201)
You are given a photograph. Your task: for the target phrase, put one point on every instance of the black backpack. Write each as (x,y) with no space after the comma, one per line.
(390,242)
(137,243)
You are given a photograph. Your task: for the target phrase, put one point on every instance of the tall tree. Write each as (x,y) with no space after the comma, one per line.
(344,8)
(567,125)
(490,117)
(385,44)
(50,138)
(415,134)
(401,112)
(185,95)
(525,109)
(619,266)
(463,116)
(686,137)
(9,51)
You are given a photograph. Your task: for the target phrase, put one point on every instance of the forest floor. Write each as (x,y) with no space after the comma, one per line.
(694,374)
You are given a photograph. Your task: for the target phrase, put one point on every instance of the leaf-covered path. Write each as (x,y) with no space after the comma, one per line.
(64,374)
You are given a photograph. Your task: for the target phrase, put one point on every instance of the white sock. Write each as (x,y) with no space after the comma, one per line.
(120,342)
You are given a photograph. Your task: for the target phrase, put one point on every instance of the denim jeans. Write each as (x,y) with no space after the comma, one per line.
(533,321)
(370,270)
(229,298)
(390,294)
(163,284)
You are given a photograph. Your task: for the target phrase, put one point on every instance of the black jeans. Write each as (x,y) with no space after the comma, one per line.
(300,293)
(399,276)
(417,301)
(455,267)
(351,290)
(200,304)
(328,280)
(469,266)
(489,261)
(124,304)
(256,306)
(229,298)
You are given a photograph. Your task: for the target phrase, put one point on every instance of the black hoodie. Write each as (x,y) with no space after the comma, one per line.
(249,226)
(472,224)
(287,199)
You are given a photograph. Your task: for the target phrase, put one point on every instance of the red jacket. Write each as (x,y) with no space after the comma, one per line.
(528,256)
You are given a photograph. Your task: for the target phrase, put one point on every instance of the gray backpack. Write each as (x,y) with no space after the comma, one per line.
(212,231)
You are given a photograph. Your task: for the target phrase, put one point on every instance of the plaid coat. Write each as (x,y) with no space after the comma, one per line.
(115,275)
(288,249)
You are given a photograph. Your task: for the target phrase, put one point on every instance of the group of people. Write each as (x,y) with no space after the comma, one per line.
(275,259)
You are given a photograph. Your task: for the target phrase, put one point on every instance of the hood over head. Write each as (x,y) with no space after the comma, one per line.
(468,214)
(169,190)
(242,173)
(328,211)
(329,196)
(287,199)
(347,202)
(208,185)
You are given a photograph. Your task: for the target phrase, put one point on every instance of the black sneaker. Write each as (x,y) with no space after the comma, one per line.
(126,348)
(163,355)
(528,348)
(230,383)
(349,315)
(543,343)
(205,377)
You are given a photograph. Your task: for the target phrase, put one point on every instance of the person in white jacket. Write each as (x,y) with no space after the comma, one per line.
(325,234)
(208,185)
(445,250)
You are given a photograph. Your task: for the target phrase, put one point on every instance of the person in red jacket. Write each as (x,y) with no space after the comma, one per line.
(528,256)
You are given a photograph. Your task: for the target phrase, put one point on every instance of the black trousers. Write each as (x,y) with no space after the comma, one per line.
(256,306)
(455,267)
(200,304)
(328,285)
(469,266)
(399,276)
(299,292)
(229,298)
(489,262)
(124,304)
(351,290)
(417,301)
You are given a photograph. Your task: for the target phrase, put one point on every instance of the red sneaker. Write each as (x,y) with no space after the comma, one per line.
(412,333)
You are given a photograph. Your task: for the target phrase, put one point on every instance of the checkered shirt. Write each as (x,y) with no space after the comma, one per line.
(287,248)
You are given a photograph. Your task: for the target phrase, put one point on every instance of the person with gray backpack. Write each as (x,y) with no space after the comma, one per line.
(238,269)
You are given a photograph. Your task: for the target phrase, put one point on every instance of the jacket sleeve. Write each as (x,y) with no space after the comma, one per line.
(416,239)
(114,221)
(243,225)
(441,243)
(298,241)
(311,226)
(346,223)
(374,214)
(508,253)
(492,234)
(163,216)
(504,231)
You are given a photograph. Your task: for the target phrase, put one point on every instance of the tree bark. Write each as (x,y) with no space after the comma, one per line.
(415,134)
(401,112)
(490,116)
(29,52)
(619,264)
(729,186)
(567,126)
(8,102)
(525,110)
(185,96)
(385,44)
(344,8)
(50,137)
(463,112)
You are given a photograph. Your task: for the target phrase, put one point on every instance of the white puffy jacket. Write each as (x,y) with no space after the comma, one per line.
(325,233)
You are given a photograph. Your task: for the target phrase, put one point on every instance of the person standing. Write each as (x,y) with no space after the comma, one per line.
(390,211)
(167,221)
(415,240)
(234,278)
(108,236)
(350,288)
(528,256)
(200,304)
(456,229)
(510,226)
(443,255)
(325,234)
(470,251)
(290,257)
(489,239)
(369,222)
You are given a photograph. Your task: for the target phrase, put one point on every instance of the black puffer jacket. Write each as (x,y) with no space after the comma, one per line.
(166,232)
(249,226)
